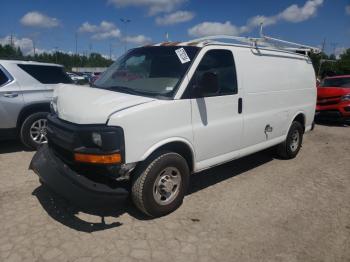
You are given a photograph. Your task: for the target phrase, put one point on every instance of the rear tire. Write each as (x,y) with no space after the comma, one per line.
(160,184)
(33,130)
(291,146)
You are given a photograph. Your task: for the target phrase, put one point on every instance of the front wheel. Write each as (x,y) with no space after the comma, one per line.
(291,146)
(160,185)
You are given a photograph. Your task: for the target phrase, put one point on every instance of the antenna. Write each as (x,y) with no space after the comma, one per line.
(261,29)
(34,47)
(323,45)
(11,40)
(125,21)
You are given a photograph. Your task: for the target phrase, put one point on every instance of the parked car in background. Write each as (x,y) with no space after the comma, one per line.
(77,79)
(163,112)
(94,77)
(26,90)
(87,76)
(333,99)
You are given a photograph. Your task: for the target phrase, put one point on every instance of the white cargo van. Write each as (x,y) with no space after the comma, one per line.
(163,112)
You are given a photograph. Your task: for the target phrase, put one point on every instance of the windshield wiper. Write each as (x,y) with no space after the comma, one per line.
(131,91)
(123,89)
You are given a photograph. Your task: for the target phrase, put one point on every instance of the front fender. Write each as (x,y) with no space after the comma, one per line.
(164,142)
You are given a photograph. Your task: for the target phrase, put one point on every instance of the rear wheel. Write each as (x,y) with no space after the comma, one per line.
(33,130)
(161,184)
(291,146)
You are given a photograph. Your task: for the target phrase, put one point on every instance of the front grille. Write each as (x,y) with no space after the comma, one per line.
(61,139)
(329,114)
(328,101)
(66,138)
(64,154)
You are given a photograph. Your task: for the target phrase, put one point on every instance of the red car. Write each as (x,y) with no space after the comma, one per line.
(333,99)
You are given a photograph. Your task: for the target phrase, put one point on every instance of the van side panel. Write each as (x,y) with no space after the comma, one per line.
(277,87)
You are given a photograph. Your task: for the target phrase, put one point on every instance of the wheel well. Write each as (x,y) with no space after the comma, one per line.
(183,150)
(301,119)
(31,109)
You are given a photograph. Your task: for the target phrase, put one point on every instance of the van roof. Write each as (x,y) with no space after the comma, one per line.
(218,43)
(263,42)
(23,62)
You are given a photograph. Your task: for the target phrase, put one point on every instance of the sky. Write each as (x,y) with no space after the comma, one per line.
(96,26)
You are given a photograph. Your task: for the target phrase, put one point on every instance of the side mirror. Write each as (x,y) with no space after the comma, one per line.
(207,84)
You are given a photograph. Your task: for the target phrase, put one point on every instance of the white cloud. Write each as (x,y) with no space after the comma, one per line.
(37,19)
(25,44)
(293,14)
(153,6)
(347,9)
(87,28)
(296,14)
(105,30)
(175,18)
(256,21)
(213,28)
(138,40)
(115,33)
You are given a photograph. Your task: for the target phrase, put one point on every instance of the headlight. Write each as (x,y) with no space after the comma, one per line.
(107,139)
(345,98)
(97,139)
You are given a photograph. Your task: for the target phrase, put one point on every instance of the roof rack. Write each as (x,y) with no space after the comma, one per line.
(263,41)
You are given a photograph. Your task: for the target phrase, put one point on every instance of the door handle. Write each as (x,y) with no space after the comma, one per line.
(10,95)
(240,105)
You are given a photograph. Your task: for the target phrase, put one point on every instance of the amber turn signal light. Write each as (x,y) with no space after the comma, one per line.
(98,159)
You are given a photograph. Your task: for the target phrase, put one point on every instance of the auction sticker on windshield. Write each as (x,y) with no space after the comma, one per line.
(182,55)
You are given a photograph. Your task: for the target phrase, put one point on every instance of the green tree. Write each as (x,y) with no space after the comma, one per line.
(67,60)
(330,65)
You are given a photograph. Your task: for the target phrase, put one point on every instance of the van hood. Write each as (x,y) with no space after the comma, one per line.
(86,105)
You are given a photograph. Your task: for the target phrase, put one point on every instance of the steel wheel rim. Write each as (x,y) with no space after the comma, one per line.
(294,144)
(167,186)
(38,131)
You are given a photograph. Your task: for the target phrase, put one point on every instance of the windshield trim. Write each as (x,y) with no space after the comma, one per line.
(186,73)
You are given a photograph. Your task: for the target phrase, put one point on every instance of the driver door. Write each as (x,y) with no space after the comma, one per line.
(216,108)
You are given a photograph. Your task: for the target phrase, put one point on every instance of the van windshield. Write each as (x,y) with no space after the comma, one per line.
(342,82)
(154,71)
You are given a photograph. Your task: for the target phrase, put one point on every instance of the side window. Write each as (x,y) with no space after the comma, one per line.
(47,74)
(215,75)
(3,78)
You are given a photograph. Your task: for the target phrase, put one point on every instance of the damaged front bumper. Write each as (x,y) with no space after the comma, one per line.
(73,186)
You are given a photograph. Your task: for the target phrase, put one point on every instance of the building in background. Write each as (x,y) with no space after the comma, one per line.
(89,69)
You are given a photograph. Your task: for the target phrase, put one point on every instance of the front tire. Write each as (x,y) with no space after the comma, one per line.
(161,183)
(33,130)
(291,146)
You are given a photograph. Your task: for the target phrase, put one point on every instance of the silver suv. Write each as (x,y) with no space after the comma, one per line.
(26,90)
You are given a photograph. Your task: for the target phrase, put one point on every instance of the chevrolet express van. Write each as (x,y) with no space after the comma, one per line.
(163,112)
